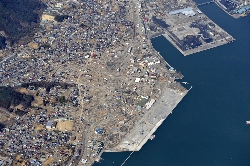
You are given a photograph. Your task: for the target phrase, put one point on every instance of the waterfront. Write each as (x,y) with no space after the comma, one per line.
(208,126)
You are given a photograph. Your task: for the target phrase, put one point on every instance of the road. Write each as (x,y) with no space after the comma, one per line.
(7,58)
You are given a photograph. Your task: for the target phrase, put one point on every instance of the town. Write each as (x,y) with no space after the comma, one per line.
(96,81)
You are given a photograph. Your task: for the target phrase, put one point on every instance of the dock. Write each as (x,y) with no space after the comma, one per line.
(192,31)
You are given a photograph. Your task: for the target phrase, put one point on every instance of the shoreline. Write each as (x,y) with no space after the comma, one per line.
(160,110)
(182,31)
(220,6)
(164,106)
(208,46)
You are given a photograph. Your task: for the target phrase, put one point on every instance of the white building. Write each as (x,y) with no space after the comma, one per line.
(137,79)
(186,11)
(150,103)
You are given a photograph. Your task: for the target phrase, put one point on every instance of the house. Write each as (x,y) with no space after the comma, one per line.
(150,103)
(99,131)
(48,125)
(137,79)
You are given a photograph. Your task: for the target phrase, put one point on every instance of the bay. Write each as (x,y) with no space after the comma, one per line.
(208,127)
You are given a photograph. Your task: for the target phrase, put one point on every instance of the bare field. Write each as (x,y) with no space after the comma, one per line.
(65,125)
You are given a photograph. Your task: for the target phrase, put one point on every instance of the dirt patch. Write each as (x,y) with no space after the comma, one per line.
(92,41)
(115,8)
(33,45)
(20,107)
(38,101)
(48,161)
(39,127)
(47,17)
(18,161)
(44,39)
(23,90)
(65,125)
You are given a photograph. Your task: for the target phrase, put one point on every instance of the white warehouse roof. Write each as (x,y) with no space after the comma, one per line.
(183,11)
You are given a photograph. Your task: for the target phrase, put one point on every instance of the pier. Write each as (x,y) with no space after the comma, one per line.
(205,3)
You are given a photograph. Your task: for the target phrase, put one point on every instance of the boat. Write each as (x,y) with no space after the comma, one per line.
(243,14)
(247,122)
(185,82)
(152,137)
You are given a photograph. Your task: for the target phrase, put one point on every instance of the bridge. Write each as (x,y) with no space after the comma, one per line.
(205,3)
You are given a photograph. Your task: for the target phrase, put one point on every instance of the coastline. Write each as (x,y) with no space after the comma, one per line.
(211,45)
(154,117)
(220,6)
(203,133)
(151,120)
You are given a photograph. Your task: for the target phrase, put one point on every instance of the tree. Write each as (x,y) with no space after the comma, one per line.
(62,99)
(60,18)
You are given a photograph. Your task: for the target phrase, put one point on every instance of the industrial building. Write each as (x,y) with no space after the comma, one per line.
(186,11)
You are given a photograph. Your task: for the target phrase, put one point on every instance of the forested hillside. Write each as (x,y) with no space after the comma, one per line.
(20,19)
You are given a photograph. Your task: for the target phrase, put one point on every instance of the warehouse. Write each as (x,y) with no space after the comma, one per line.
(186,11)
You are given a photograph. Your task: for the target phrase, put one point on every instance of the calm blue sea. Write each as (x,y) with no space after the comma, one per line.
(208,127)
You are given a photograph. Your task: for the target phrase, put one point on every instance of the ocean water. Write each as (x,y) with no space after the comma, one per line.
(208,127)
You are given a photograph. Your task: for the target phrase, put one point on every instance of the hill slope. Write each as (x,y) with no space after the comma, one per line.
(20,19)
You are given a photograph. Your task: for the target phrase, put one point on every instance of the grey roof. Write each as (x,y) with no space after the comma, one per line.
(49,123)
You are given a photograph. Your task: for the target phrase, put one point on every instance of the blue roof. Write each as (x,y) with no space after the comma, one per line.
(49,123)
(99,130)
(243,9)
(138,107)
